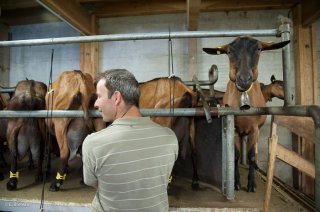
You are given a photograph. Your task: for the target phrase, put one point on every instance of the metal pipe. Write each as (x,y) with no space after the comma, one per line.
(206,107)
(224,154)
(288,74)
(213,77)
(188,83)
(140,36)
(230,157)
(7,90)
(301,110)
(201,82)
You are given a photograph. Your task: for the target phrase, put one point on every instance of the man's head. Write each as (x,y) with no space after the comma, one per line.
(117,91)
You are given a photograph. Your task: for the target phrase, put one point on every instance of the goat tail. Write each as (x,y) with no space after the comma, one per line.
(85,107)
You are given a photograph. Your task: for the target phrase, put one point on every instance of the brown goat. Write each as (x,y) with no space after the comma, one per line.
(26,134)
(243,55)
(274,89)
(73,90)
(170,93)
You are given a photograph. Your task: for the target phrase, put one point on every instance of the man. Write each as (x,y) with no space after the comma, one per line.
(131,160)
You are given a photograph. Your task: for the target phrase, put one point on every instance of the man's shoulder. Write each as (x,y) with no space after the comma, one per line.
(93,138)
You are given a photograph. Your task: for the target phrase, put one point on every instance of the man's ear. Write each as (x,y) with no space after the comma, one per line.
(117,97)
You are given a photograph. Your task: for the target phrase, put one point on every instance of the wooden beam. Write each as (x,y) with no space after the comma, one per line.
(73,13)
(4,56)
(306,86)
(89,54)
(135,8)
(273,142)
(232,5)
(192,57)
(295,160)
(306,59)
(310,12)
(149,7)
(301,126)
(193,11)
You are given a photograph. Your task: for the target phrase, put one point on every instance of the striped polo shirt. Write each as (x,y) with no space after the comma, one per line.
(130,163)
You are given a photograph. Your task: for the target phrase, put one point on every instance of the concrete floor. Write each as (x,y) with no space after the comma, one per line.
(76,197)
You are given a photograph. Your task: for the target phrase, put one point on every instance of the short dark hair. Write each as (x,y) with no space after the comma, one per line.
(123,81)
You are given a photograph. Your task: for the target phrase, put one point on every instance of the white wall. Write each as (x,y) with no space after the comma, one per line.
(34,62)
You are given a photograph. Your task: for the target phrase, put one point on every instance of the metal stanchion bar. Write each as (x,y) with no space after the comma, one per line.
(214,111)
(7,90)
(230,163)
(201,82)
(189,83)
(140,36)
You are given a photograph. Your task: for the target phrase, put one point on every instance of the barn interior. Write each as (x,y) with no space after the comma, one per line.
(152,58)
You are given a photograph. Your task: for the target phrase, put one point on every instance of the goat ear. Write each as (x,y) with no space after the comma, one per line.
(273,79)
(272,45)
(215,51)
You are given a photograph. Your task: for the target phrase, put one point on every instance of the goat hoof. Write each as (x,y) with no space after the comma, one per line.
(12,184)
(195,185)
(55,186)
(251,189)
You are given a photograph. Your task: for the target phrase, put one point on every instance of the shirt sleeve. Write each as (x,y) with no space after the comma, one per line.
(89,164)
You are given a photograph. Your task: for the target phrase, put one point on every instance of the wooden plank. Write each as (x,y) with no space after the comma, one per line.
(301,126)
(142,7)
(149,7)
(310,12)
(192,57)
(193,11)
(73,13)
(4,56)
(306,84)
(295,160)
(305,61)
(89,54)
(232,5)
(273,141)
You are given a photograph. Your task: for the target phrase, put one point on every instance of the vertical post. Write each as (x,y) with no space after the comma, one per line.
(288,79)
(314,111)
(192,57)
(228,154)
(273,142)
(89,58)
(224,154)
(4,56)
(317,167)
